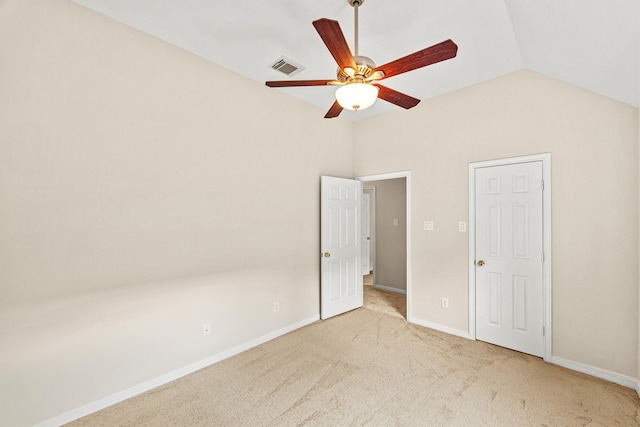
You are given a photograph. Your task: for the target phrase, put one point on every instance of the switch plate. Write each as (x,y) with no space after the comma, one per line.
(462,226)
(445,302)
(276,306)
(206,329)
(395,222)
(428,225)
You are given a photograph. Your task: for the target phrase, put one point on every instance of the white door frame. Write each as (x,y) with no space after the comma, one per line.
(372,228)
(546,244)
(407,176)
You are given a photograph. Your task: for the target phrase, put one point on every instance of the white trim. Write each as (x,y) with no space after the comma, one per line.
(613,377)
(171,376)
(390,289)
(372,226)
(545,158)
(441,328)
(407,176)
(638,387)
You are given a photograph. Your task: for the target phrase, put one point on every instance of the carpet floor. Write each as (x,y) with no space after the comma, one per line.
(391,303)
(371,368)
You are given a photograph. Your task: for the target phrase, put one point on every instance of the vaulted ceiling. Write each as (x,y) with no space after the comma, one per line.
(592,44)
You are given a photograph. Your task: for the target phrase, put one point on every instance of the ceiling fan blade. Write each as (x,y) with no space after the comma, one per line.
(334,111)
(436,53)
(398,98)
(290,83)
(333,37)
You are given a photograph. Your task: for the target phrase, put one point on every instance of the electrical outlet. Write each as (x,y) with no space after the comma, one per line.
(276,306)
(445,302)
(428,225)
(206,329)
(462,226)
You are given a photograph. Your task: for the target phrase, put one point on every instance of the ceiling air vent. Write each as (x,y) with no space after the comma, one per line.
(286,66)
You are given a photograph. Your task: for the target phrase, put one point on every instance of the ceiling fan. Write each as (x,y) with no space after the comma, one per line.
(358,75)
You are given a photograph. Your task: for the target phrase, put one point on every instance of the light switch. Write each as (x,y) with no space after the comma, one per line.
(395,222)
(462,226)
(428,225)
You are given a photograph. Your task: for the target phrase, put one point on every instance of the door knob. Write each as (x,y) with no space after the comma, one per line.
(327,254)
(480,263)
(368,238)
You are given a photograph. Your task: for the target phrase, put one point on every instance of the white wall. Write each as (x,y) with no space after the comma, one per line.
(144,192)
(593,142)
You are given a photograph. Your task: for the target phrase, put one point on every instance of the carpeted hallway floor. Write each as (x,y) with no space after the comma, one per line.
(371,368)
(391,303)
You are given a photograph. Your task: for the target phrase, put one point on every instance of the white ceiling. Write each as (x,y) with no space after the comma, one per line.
(592,44)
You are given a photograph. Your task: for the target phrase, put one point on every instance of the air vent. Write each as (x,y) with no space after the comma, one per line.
(286,66)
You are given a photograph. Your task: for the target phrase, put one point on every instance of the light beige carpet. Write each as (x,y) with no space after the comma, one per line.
(391,303)
(367,368)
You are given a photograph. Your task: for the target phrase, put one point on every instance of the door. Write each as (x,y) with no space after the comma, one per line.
(340,265)
(366,234)
(509,256)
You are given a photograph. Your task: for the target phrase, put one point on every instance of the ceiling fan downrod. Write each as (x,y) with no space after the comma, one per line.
(355,4)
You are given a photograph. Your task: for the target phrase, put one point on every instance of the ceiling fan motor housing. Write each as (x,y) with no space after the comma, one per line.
(364,68)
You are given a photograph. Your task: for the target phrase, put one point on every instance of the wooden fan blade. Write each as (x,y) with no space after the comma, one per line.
(395,97)
(291,83)
(334,111)
(333,37)
(436,53)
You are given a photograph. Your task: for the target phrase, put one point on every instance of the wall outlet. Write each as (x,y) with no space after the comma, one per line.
(428,225)
(445,302)
(206,329)
(276,306)
(462,226)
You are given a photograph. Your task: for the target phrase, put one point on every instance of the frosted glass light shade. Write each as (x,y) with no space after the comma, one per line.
(356,96)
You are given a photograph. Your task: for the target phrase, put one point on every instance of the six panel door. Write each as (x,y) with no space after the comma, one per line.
(509,256)
(340,244)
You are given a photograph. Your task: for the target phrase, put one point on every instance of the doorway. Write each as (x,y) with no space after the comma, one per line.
(396,221)
(510,253)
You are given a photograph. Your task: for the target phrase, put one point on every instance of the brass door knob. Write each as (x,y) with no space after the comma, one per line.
(368,238)
(480,263)
(327,254)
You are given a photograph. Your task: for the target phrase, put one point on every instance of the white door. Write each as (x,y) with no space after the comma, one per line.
(366,234)
(509,256)
(340,218)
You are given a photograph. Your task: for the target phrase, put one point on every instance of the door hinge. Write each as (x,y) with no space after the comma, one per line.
(542,184)
(543,257)
(544,332)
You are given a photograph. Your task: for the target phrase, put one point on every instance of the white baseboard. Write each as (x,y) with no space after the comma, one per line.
(613,377)
(171,376)
(638,387)
(391,289)
(441,328)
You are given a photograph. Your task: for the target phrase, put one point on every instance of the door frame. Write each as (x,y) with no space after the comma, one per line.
(546,241)
(407,176)
(372,228)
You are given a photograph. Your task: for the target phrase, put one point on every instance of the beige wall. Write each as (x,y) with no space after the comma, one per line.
(143,192)
(391,241)
(594,146)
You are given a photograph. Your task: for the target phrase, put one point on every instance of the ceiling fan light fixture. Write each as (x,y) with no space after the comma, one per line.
(356,96)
